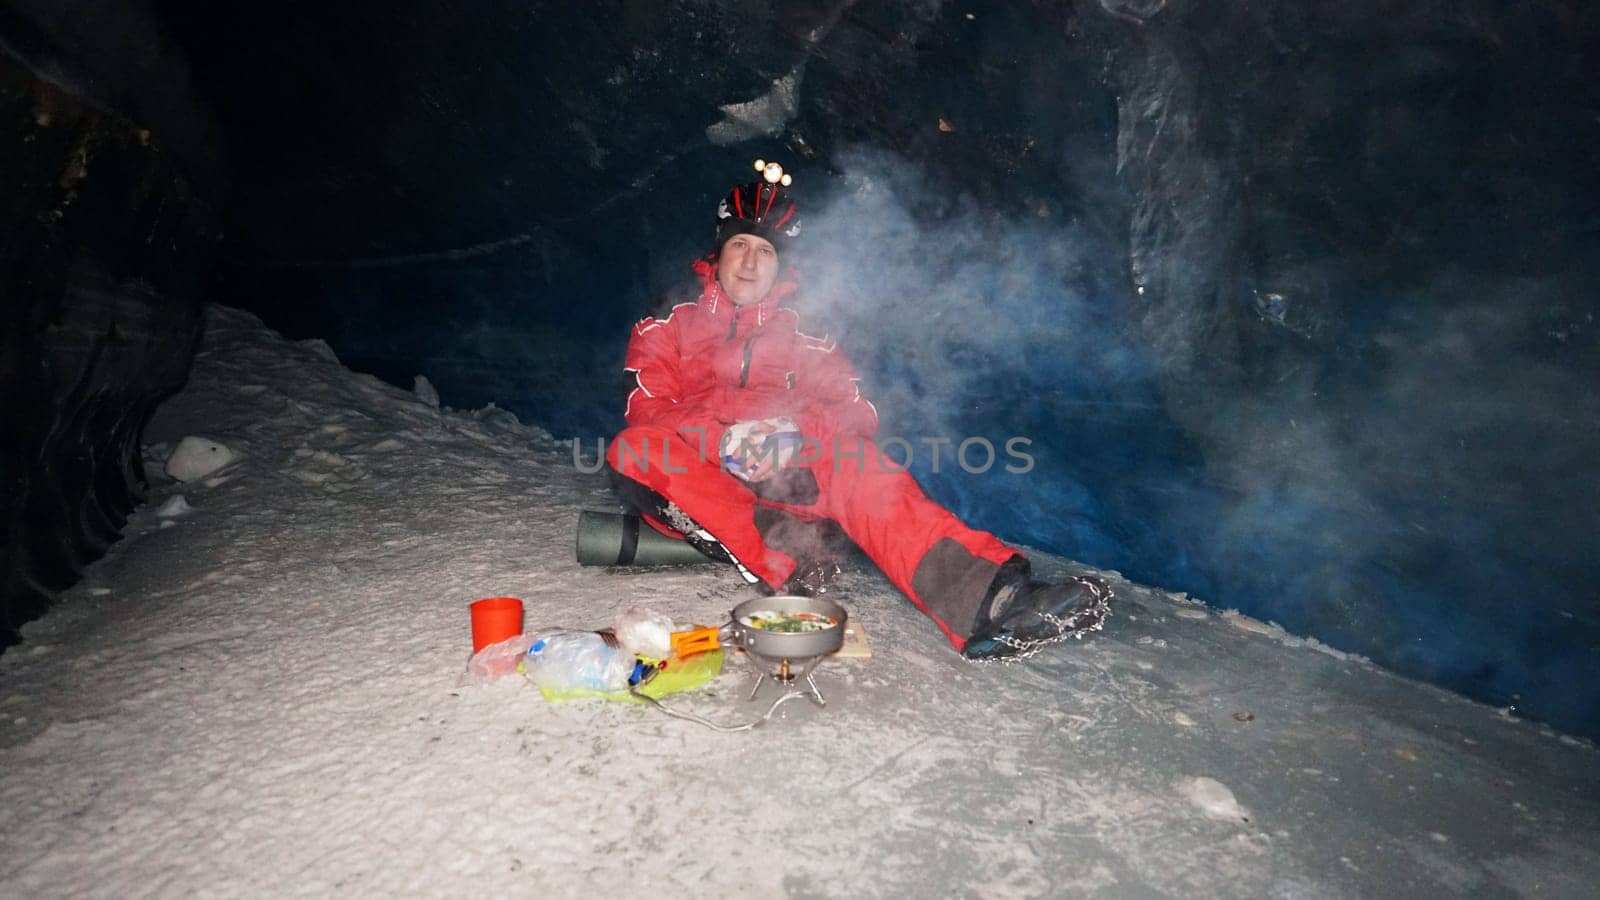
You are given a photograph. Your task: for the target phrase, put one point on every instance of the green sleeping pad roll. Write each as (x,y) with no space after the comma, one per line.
(611,539)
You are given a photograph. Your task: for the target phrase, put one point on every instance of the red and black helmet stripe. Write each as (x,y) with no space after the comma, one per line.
(761,209)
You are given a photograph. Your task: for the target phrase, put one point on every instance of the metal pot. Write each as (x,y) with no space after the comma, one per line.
(779,645)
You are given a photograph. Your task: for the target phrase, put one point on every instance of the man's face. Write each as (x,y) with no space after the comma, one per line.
(747,268)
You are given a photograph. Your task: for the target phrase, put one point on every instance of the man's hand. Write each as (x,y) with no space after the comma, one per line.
(754,451)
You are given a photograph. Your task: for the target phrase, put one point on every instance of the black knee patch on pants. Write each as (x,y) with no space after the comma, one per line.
(953,584)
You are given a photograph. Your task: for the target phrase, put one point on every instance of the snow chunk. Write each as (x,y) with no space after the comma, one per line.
(320,347)
(497,419)
(1255,626)
(196,457)
(174,507)
(1275,631)
(1213,798)
(1334,652)
(425,391)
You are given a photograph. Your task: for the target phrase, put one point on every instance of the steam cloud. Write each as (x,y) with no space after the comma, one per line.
(1388,482)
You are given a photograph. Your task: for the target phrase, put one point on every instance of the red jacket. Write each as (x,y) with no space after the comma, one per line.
(711,363)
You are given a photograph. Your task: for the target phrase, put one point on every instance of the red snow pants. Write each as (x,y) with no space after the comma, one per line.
(943,566)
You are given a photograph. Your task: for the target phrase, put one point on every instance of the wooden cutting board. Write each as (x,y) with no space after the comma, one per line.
(855,642)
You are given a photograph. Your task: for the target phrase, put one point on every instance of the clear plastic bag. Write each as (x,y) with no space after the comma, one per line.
(498,660)
(560,659)
(644,632)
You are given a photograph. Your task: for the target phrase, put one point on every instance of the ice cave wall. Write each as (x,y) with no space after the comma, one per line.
(110,216)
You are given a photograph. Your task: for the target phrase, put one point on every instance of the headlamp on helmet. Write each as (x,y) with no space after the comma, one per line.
(762,208)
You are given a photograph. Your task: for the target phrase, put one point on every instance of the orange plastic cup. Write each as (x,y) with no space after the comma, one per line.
(495,620)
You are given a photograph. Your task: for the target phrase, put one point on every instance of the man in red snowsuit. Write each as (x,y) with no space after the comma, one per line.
(747,437)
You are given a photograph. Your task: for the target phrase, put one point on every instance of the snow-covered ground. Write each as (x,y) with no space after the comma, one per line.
(261,691)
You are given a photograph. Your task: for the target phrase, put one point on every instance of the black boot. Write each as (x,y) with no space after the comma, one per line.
(1022,616)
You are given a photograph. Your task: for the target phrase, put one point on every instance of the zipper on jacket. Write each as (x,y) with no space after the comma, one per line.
(744,364)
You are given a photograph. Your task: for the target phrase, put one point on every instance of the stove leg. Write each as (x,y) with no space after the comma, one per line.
(816,692)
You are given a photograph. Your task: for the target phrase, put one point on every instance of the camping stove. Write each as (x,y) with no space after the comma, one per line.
(793,676)
(787,658)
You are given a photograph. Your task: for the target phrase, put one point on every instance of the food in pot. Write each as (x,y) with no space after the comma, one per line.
(789,622)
